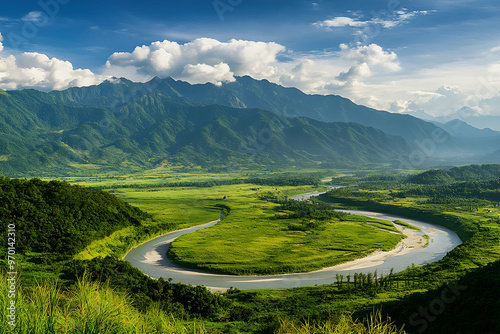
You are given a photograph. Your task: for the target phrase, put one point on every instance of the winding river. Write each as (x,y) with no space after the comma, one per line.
(150,257)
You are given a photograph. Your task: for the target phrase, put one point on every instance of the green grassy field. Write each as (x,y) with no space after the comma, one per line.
(247,245)
(171,207)
(250,240)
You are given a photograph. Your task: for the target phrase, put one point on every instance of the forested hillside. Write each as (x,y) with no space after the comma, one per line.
(61,218)
(45,132)
(247,92)
(456,174)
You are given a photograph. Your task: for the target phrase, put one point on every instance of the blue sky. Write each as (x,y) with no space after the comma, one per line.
(435,56)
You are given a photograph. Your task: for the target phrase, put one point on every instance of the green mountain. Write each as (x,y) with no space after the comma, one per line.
(246,92)
(128,125)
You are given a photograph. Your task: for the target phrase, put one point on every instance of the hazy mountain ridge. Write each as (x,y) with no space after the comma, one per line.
(466,115)
(460,128)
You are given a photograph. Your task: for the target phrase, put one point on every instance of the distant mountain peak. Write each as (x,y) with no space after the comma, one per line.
(114,80)
(460,128)
(465,112)
(419,114)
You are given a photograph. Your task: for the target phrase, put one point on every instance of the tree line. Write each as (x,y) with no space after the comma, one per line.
(276,180)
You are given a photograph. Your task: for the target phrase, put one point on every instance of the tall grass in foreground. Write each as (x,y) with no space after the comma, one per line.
(343,324)
(87,307)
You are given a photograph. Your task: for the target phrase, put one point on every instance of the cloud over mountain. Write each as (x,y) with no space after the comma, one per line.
(201,60)
(357,71)
(366,58)
(205,60)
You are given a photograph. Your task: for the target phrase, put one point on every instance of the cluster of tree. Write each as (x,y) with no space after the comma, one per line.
(178,299)
(433,177)
(274,180)
(486,190)
(58,217)
(467,194)
(302,209)
(367,282)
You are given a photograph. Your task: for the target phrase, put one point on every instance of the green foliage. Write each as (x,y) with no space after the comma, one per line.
(58,217)
(340,324)
(458,193)
(466,305)
(88,306)
(433,176)
(303,209)
(469,173)
(281,179)
(174,298)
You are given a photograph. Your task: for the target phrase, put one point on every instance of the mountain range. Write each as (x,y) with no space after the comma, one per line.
(246,92)
(466,115)
(120,124)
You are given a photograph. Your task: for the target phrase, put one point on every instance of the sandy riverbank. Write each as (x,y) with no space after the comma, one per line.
(414,241)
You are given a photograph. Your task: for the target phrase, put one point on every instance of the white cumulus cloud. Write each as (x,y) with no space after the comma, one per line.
(373,55)
(201,59)
(202,73)
(367,59)
(36,70)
